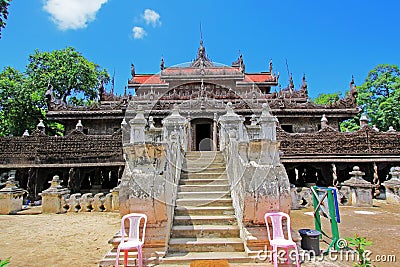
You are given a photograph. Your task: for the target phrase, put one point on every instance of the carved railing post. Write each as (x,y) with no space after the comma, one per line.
(268,124)
(11,197)
(138,125)
(392,186)
(54,197)
(359,190)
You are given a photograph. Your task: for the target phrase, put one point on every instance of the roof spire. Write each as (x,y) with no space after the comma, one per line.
(201,36)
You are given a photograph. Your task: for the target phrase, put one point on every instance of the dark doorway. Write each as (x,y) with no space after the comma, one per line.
(203,137)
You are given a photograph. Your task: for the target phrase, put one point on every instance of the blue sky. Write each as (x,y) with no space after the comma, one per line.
(327,40)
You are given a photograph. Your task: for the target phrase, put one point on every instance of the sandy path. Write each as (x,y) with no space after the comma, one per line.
(72,239)
(80,239)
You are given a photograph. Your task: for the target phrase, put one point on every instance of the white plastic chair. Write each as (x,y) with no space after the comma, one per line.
(278,237)
(135,239)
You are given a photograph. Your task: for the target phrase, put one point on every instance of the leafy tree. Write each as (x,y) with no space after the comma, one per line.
(326,99)
(70,74)
(379,97)
(21,107)
(3,13)
(73,78)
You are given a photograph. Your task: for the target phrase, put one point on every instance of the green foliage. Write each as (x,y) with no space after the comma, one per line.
(3,13)
(326,99)
(4,262)
(359,244)
(70,74)
(379,97)
(22,102)
(21,107)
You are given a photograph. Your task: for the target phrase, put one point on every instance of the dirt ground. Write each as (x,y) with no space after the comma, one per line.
(55,240)
(80,239)
(379,224)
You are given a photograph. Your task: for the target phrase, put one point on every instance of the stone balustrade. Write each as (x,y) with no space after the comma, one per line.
(57,199)
(258,180)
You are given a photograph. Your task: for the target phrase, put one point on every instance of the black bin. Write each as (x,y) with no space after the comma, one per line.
(310,240)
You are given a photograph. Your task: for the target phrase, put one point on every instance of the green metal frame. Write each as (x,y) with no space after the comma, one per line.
(317,201)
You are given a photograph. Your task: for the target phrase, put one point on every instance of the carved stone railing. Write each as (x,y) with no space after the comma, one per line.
(151,174)
(57,199)
(76,147)
(258,180)
(327,141)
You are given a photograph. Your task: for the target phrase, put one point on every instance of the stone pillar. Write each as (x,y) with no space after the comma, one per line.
(215,130)
(360,190)
(189,133)
(137,127)
(53,197)
(268,124)
(175,124)
(115,198)
(392,186)
(324,122)
(363,120)
(230,122)
(11,197)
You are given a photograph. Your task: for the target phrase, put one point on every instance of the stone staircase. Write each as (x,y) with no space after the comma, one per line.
(204,224)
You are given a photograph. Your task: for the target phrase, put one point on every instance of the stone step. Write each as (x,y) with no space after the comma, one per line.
(185,258)
(206,194)
(203,188)
(203,181)
(204,153)
(206,230)
(205,158)
(198,202)
(215,168)
(204,219)
(109,259)
(203,175)
(216,210)
(205,245)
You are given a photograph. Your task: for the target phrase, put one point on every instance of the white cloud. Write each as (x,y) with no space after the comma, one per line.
(138,32)
(152,17)
(73,14)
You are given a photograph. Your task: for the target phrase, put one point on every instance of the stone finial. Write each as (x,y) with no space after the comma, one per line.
(79,126)
(253,120)
(26,133)
(266,110)
(391,130)
(11,186)
(40,127)
(151,122)
(395,173)
(229,108)
(55,186)
(324,122)
(123,123)
(376,129)
(357,173)
(363,120)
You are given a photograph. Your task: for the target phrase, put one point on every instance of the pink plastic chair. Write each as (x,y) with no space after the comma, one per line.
(278,238)
(135,239)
